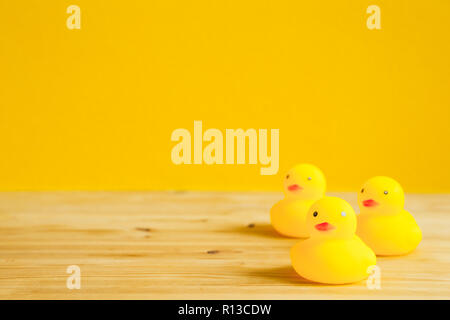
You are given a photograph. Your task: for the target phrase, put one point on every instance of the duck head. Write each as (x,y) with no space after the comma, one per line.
(304,181)
(382,195)
(331,217)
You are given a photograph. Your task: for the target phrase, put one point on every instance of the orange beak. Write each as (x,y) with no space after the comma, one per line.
(370,203)
(325,226)
(294,187)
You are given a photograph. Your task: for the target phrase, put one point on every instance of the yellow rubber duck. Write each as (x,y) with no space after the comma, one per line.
(333,254)
(303,185)
(383,223)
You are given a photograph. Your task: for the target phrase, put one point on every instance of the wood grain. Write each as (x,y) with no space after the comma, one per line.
(188,245)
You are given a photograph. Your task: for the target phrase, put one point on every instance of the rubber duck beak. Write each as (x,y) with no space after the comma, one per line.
(324,226)
(294,187)
(369,203)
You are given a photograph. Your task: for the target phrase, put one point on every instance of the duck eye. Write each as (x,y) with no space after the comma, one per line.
(343,213)
(309,178)
(362,190)
(385,192)
(287,177)
(315,214)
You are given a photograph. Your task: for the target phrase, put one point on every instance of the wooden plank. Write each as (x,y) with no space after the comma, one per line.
(188,245)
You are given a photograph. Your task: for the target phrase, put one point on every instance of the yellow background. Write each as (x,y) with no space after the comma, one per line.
(94,108)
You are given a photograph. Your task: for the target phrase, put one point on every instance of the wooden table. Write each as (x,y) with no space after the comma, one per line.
(188,245)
